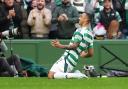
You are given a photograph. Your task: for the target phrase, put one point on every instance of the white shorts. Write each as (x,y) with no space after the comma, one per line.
(60,66)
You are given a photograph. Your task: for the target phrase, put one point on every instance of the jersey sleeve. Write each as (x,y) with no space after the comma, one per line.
(90,46)
(77,37)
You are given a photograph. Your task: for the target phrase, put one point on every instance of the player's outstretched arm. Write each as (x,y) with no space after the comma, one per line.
(56,43)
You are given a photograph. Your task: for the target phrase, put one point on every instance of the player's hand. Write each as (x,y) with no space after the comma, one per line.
(83,54)
(56,43)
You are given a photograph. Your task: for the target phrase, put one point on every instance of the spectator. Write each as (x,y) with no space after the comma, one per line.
(66,16)
(21,2)
(25,28)
(11,16)
(51,5)
(32,5)
(40,19)
(98,6)
(125,31)
(119,5)
(110,19)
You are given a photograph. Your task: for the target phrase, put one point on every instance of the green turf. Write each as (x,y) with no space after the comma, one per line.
(44,83)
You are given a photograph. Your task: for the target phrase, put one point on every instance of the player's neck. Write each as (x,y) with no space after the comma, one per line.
(85,25)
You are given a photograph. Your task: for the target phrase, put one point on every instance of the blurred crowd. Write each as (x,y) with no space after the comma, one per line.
(50,19)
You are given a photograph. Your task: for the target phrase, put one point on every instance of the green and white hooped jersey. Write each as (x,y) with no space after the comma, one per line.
(84,37)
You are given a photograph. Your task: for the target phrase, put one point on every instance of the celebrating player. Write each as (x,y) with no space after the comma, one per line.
(81,44)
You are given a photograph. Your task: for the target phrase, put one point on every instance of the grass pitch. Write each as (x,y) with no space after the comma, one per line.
(44,83)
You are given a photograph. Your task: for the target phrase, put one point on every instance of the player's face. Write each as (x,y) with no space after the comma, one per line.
(40,4)
(83,19)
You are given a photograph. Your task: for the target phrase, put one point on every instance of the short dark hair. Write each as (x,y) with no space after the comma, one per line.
(90,15)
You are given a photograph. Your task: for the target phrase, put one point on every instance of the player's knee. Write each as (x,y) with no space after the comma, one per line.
(50,75)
